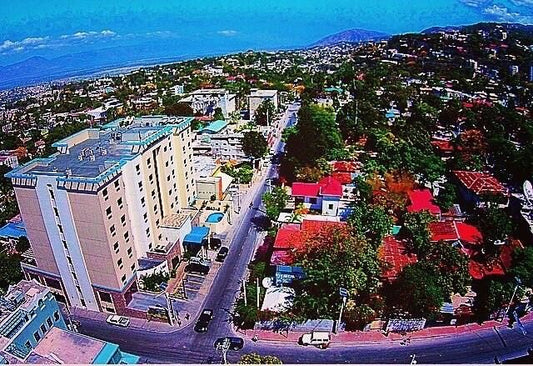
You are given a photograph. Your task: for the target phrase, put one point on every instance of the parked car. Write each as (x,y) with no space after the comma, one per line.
(215,243)
(222,254)
(317,339)
(121,321)
(203,321)
(235,343)
(197,268)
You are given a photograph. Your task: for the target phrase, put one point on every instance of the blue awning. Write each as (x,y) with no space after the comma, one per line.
(196,236)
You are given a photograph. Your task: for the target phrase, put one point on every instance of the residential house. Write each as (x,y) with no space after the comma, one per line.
(422,200)
(323,196)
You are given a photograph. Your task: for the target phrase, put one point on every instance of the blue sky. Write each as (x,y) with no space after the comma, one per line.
(52,28)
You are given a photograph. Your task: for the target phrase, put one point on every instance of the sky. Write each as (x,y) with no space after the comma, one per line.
(159,29)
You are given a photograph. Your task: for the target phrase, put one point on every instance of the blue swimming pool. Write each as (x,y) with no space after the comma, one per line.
(215,217)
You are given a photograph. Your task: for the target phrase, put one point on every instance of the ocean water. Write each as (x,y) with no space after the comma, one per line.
(65,37)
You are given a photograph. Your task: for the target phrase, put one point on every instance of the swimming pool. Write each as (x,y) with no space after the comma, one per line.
(215,217)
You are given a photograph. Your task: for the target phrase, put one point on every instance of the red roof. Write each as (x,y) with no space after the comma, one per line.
(468,233)
(498,267)
(422,200)
(314,226)
(305,189)
(281,257)
(480,183)
(442,145)
(394,254)
(286,236)
(343,178)
(443,230)
(329,186)
(452,231)
(344,167)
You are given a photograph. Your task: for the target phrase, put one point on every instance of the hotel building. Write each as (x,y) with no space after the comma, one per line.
(97,206)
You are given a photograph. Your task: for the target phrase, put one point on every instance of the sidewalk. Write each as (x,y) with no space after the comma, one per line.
(360,337)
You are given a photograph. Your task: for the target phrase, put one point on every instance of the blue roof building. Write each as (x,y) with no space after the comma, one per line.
(214,127)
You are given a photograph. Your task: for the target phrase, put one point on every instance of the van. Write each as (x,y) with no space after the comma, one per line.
(317,339)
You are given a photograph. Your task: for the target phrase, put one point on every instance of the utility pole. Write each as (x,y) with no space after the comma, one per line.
(518,283)
(244,289)
(169,309)
(224,347)
(340,314)
(258,291)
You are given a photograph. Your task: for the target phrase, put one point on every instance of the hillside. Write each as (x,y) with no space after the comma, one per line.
(351,36)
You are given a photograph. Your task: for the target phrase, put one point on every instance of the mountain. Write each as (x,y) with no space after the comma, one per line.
(351,36)
(484,26)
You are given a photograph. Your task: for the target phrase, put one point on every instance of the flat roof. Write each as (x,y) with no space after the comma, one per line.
(13,230)
(69,347)
(95,152)
(214,127)
(263,93)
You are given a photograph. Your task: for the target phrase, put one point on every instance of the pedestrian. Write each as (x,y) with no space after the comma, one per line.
(255,338)
(179,322)
(187,316)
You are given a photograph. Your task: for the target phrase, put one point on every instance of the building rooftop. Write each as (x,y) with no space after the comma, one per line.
(262,93)
(94,154)
(480,183)
(422,200)
(68,347)
(22,296)
(175,220)
(214,127)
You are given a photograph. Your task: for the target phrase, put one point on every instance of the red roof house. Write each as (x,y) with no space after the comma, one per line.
(456,231)
(395,257)
(422,200)
(480,183)
(305,189)
(329,186)
(479,270)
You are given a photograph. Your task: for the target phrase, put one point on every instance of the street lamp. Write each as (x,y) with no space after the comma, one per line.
(518,284)
(224,347)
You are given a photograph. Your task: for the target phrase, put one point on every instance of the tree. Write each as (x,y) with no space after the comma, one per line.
(416,224)
(523,265)
(264,113)
(22,245)
(447,196)
(492,295)
(218,115)
(450,266)
(10,271)
(179,109)
(370,222)
(494,223)
(333,257)
(256,359)
(254,144)
(417,291)
(275,201)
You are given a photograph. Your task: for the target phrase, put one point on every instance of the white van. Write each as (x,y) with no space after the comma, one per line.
(317,339)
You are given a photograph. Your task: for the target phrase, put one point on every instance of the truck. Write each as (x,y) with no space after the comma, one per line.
(317,339)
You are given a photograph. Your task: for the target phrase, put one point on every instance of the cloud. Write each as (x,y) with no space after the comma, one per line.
(228,33)
(502,14)
(475,3)
(33,43)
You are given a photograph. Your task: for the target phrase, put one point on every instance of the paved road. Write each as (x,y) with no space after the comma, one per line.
(187,346)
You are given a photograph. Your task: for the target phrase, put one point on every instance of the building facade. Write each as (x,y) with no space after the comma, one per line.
(94,208)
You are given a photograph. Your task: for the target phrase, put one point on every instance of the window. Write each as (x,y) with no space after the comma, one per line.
(117,185)
(124,279)
(115,247)
(104,296)
(49,322)
(123,220)
(64,243)
(119,203)
(113,230)
(142,202)
(119,263)
(133,267)
(36,336)
(56,315)
(148,161)
(127,236)
(104,193)
(27,345)
(145,217)
(330,206)
(130,252)
(166,164)
(155,208)
(153,193)
(168,178)
(312,201)
(140,186)
(151,178)
(138,169)
(43,328)
(109,212)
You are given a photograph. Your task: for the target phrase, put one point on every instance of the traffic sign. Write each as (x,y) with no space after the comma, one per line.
(343,292)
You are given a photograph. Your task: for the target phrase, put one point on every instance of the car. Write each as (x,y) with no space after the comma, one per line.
(197,268)
(121,321)
(215,243)
(317,339)
(203,321)
(222,254)
(235,343)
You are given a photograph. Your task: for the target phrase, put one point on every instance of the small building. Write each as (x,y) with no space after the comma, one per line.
(476,187)
(258,96)
(395,257)
(323,196)
(422,200)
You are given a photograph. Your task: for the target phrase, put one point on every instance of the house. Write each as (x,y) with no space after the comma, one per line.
(323,196)
(464,235)
(395,257)
(476,187)
(479,268)
(422,200)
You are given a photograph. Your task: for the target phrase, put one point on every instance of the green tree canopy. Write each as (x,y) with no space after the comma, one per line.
(254,144)
(416,224)
(275,201)
(370,222)
(256,359)
(264,113)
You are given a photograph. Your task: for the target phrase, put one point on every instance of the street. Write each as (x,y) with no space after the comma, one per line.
(186,346)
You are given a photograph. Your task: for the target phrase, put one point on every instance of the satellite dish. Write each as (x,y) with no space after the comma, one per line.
(267,282)
(528,191)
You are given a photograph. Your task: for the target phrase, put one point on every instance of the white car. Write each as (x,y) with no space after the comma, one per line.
(121,321)
(317,339)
